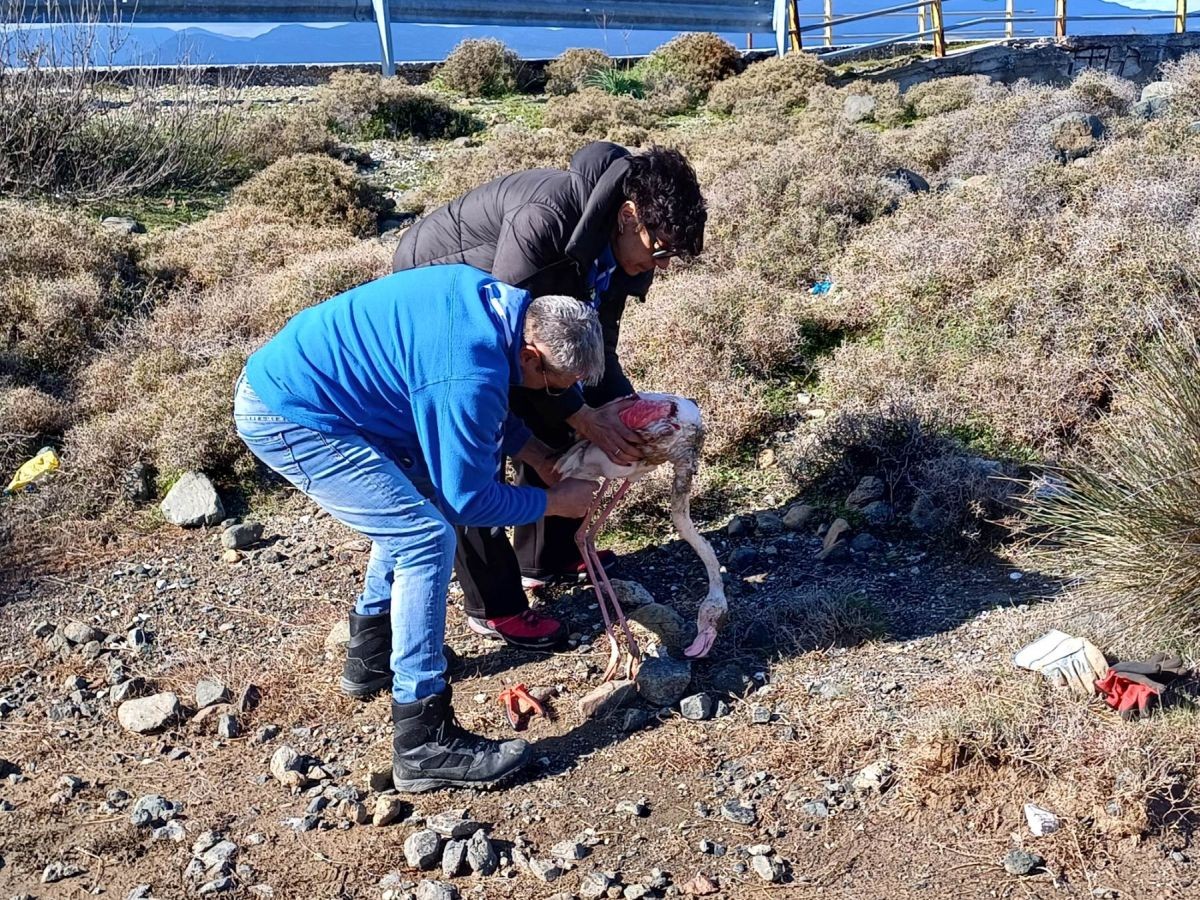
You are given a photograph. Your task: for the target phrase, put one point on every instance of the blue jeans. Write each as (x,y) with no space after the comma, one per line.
(385,499)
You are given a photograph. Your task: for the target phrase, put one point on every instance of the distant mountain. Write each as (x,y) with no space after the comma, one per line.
(358,42)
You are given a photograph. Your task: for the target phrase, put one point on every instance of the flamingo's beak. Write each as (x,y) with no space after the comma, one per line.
(702,644)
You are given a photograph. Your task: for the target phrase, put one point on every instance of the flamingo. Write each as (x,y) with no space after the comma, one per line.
(673,432)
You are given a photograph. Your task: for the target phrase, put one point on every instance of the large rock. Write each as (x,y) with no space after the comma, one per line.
(603,701)
(858,108)
(662,680)
(149,714)
(660,624)
(1074,135)
(797,516)
(868,491)
(481,855)
(192,502)
(238,537)
(339,635)
(436,890)
(286,766)
(423,849)
(210,692)
(82,633)
(122,225)
(630,594)
(1156,90)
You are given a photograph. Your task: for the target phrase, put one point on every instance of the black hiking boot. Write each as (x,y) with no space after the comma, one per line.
(430,750)
(368,669)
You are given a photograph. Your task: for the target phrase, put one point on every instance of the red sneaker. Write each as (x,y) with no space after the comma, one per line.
(528,630)
(608,559)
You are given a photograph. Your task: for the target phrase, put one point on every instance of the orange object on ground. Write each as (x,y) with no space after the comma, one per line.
(519,706)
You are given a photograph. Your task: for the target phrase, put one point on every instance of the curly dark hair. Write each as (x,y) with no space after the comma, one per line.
(662,185)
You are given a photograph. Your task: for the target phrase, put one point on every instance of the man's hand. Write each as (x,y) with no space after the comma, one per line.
(604,428)
(571,498)
(539,457)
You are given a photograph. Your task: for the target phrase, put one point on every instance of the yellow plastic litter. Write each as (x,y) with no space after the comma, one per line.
(40,466)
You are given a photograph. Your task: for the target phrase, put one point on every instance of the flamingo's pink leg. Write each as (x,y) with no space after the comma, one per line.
(605,512)
(581,541)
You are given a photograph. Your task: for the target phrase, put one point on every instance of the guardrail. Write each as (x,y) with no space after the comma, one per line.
(932,26)
(780,17)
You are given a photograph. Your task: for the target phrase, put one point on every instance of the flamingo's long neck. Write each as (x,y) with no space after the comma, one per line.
(681,516)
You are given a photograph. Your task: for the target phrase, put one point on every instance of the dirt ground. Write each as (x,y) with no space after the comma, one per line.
(795,645)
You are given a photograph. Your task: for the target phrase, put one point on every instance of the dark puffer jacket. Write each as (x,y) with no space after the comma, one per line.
(541,230)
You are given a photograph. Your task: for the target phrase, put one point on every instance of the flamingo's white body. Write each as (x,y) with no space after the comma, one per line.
(673,433)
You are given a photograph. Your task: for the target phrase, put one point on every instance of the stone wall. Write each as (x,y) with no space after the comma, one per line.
(1050,60)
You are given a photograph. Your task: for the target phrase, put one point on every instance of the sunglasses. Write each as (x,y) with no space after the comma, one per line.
(658,250)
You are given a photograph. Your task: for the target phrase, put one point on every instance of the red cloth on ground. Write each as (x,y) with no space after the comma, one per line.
(1123,694)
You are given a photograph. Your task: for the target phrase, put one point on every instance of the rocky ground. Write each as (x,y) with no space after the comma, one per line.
(170,726)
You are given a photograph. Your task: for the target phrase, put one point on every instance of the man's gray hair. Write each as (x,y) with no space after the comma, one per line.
(570,333)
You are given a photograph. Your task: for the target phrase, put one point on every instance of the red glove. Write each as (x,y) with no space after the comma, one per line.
(1126,695)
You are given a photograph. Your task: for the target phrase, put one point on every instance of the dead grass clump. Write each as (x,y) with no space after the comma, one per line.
(511,149)
(778,84)
(1106,778)
(787,215)
(1184,76)
(1124,519)
(239,242)
(888,108)
(598,115)
(715,338)
(571,70)
(943,95)
(1104,92)
(269,135)
(62,284)
(700,60)
(315,190)
(29,419)
(479,67)
(368,106)
(934,483)
(163,394)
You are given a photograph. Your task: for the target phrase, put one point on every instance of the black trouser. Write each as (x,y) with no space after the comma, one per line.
(489,569)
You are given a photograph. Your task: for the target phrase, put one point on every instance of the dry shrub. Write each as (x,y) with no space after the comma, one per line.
(786,215)
(715,338)
(511,149)
(63,133)
(1123,518)
(670,94)
(701,60)
(1008,305)
(369,106)
(1111,778)
(314,190)
(1184,75)
(269,135)
(480,67)
(61,287)
(933,482)
(571,70)
(1104,92)
(597,115)
(239,242)
(29,419)
(943,95)
(714,149)
(163,394)
(778,84)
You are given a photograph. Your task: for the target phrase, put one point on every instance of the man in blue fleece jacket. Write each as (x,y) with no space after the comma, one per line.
(388,406)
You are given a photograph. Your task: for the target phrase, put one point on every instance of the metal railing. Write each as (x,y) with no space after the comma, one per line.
(780,17)
(749,16)
(932,26)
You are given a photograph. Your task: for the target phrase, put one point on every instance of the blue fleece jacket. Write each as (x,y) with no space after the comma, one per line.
(422,362)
